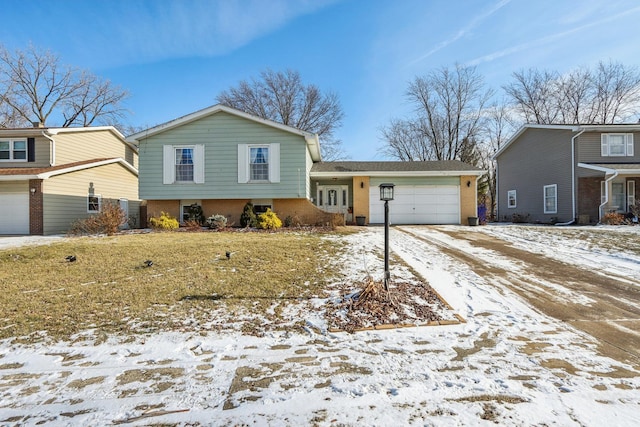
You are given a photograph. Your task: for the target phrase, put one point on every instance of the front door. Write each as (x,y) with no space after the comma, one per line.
(333,198)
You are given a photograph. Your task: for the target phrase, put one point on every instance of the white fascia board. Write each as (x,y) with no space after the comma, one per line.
(612,128)
(392,174)
(17,177)
(523,128)
(313,144)
(47,175)
(113,130)
(609,171)
(208,111)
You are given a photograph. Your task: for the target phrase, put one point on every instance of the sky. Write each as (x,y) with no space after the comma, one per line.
(175,57)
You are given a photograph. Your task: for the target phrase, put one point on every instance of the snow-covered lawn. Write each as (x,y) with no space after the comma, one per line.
(508,364)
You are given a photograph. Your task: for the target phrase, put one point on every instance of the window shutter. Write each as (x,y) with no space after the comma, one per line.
(198,164)
(604,145)
(274,162)
(603,192)
(243,163)
(631,194)
(169,164)
(31,149)
(629,139)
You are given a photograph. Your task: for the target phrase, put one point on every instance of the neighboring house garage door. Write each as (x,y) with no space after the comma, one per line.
(418,204)
(14,213)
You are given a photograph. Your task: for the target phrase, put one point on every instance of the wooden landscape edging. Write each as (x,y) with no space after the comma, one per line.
(459,320)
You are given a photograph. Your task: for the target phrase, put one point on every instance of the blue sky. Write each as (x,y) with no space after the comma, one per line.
(175,56)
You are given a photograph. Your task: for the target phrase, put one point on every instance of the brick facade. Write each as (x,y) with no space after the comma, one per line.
(36,213)
(301,211)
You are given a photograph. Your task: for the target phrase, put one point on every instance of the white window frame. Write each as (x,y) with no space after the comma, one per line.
(244,163)
(606,144)
(178,165)
(169,164)
(95,196)
(12,150)
(252,165)
(631,194)
(554,197)
(512,195)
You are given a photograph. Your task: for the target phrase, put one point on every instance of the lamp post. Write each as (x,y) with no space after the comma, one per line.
(386,194)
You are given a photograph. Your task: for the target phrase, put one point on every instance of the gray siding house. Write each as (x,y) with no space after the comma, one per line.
(564,173)
(220,158)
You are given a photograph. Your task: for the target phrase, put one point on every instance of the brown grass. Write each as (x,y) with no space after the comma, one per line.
(109,288)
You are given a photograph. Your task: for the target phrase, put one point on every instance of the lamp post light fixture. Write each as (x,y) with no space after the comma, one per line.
(386,194)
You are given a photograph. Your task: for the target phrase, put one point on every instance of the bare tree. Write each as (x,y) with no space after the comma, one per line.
(448,117)
(498,128)
(608,94)
(36,86)
(282,97)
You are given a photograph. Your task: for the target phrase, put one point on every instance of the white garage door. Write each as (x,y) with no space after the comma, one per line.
(14,213)
(418,204)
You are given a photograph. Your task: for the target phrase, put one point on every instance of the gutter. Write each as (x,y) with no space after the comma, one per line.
(573,174)
(52,161)
(606,194)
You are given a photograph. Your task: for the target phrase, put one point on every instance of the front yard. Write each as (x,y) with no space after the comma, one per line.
(191,284)
(198,339)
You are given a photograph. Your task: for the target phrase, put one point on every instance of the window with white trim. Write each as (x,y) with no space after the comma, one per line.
(511,198)
(94,203)
(183,164)
(258,163)
(616,144)
(551,199)
(13,150)
(631,194)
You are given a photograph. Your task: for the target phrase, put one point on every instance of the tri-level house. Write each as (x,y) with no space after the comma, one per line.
(220,158)
(565,173)
(51,177)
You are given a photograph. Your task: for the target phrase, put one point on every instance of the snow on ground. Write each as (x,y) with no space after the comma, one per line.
(508,364)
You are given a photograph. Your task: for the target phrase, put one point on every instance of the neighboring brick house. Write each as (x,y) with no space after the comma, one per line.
(51,177)
(565,173)
(220,158)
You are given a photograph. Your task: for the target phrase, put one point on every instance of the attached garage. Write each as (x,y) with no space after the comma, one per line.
(432,192)
(14,213)
(418,204)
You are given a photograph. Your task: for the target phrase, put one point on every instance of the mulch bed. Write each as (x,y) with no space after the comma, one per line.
(403,305)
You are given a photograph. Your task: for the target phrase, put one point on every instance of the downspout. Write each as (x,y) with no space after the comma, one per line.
(52,152)
(573,179)
(606,194)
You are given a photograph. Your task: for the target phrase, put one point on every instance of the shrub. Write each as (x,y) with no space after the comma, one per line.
(217,222)
(192,225)
(108,221)
(269,220)
(164,222)
(248,216)
(613,218)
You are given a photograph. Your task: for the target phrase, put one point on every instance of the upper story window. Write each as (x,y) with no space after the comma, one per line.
(13,150)
(184,164)
(259,163)
(616,144)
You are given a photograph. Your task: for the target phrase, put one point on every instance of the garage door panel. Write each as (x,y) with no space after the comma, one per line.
(14,213)
(432,204)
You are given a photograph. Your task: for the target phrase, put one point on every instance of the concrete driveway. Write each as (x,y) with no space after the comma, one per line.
(604,306)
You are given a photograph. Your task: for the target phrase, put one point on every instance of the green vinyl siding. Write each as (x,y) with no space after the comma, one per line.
(220,133)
